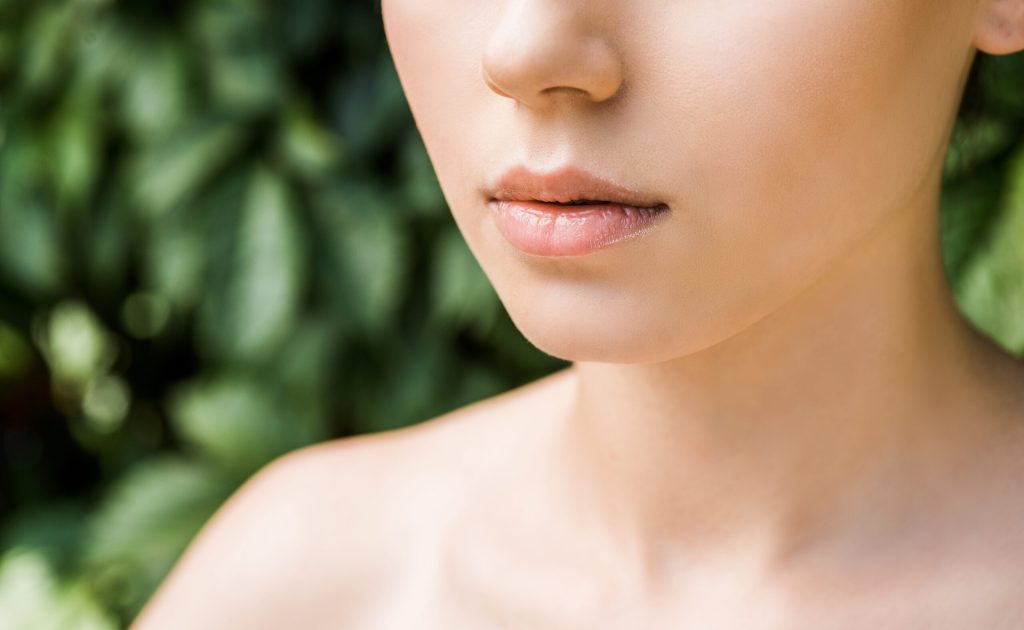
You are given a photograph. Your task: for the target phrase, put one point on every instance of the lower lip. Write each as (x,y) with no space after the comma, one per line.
(548,229)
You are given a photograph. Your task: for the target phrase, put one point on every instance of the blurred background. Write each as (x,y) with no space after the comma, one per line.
(221,240)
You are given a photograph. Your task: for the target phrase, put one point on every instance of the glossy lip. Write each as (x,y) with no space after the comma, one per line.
(527,210)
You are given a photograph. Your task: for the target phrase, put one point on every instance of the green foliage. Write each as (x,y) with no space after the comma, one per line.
(992,286)
(143,523)
(221,239)
(240,422)
(983,203)
(31,596)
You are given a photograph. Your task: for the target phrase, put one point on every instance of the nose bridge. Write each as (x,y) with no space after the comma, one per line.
(540,50)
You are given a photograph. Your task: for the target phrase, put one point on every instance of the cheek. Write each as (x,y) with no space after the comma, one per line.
(436,47)
(785,105)
(799,125)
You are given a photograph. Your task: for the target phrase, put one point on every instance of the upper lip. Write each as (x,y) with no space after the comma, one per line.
(565,185)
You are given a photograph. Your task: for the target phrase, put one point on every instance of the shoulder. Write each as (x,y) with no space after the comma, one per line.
(275,531)
(339,519)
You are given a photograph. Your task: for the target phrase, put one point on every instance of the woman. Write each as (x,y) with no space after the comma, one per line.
(775,416)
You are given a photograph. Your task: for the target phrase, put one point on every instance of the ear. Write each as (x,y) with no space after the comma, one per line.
(999,29)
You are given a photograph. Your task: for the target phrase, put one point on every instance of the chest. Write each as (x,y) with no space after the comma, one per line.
(430,600)
(450,615)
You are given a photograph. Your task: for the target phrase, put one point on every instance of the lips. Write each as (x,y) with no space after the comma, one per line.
(569,212)
(566,185)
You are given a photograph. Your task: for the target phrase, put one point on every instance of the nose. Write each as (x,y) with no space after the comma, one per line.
(545,50)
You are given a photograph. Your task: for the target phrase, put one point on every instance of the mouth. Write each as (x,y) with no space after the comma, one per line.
(567,186)
(572,228)
(570,211)
(575,205)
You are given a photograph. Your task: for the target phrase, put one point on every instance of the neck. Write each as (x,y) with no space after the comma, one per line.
(868,379)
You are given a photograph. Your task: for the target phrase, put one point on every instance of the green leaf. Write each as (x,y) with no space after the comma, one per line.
(155,94)
(973,144)
(77,346)
(243,69)
(174,260)
(15,352)
(1002,77)
(75,148)
(264,277)
(992,290)
(106,49)
(145,522)
(168,174)
(461,292)
(416,373)
(31,596)
(31,254)
(370,108)
(420,188)
(305,144)
(367,255)
(305,362)
(968,209)
(475,383)
(46,36)
(238,422)
(107,241)
(53,529)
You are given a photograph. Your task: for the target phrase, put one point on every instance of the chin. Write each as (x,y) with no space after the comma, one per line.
(593,334)
(624,326)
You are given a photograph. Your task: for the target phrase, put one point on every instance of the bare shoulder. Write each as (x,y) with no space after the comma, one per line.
(257,560)
(321,535)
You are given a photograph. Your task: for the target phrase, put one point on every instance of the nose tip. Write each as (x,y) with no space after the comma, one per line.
(539,65)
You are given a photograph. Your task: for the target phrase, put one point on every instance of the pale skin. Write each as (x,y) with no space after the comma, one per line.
(775,417)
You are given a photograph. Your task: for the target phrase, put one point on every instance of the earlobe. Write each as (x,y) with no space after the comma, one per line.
(1000,27)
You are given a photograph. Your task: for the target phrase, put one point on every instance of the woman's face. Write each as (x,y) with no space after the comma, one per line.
(779,134)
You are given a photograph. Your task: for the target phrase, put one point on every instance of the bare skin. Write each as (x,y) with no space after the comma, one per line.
(474,520)
(776,417)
